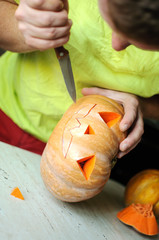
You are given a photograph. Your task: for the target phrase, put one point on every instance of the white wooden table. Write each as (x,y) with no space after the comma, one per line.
(42,217)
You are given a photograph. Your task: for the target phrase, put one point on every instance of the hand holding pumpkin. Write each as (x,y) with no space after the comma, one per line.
(44,24)
(132,119)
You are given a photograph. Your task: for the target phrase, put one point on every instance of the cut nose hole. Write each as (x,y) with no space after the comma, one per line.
(89,130)
(87,165)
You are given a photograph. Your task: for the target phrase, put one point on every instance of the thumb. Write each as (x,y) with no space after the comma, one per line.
(50,5)
(92,91)
(66,6)
(102,91)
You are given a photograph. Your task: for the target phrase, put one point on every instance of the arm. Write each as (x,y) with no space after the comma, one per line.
(10,37)
(33,25)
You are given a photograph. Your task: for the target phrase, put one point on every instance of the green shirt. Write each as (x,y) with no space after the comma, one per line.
(32,89)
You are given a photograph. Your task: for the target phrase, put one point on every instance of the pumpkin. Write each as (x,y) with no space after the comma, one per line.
(77,160)
(17,193)
(141,217)
(144,188)
(142,201)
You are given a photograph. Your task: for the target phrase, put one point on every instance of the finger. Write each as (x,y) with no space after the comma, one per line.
(50,5)
(105,92)
(42,44)
(122,154)
(42,18)
(90,91)
(135,135)
(130,108)
(50,33)
(98,91)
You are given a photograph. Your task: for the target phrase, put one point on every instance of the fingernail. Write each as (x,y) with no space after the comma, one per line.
(124,147)
(84,90)
(124,127)
(120,155)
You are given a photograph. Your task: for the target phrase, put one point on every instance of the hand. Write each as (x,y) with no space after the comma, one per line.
(44,23)
(132,119)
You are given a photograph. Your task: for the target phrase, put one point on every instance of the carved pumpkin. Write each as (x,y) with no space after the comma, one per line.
(77,160)
(143,188)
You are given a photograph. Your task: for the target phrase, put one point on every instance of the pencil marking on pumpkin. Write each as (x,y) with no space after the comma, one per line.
(69,131)
(65,155)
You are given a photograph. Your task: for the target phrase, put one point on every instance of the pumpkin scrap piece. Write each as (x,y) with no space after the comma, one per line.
(17,193)
(141,217)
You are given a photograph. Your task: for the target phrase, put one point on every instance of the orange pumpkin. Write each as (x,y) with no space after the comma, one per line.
(77,160)
(144,188)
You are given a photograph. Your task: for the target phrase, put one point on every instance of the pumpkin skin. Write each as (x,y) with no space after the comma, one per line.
(77,160)
(144,188)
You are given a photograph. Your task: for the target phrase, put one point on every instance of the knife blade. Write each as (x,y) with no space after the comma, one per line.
(65,64)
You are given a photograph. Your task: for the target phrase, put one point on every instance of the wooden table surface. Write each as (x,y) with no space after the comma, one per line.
(42,217)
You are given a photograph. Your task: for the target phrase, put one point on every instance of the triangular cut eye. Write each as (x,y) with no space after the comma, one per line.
(110,118)
(89,130)
(87,165)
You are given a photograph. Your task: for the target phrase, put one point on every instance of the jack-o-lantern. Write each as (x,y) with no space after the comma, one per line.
(77,160)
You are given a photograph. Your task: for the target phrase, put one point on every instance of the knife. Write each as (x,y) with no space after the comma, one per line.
(65,64)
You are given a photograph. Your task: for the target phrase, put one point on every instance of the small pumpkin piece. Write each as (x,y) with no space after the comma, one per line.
(17,193)
(141,217)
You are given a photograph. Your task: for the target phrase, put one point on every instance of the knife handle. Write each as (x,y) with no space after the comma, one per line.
(61,52)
